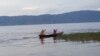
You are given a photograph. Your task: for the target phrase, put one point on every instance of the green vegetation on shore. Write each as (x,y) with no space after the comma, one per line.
(82,37)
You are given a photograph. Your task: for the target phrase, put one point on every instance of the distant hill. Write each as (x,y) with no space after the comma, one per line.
(71,17)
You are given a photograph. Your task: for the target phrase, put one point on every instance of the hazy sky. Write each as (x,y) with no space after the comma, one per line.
(37,7)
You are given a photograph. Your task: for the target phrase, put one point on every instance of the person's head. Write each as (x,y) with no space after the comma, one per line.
(55,30)
(43,30)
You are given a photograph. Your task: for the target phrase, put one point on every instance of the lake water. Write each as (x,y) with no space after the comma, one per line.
(35,29)
(12,38)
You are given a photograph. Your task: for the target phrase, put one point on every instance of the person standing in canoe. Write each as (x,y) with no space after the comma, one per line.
(42,33)
(55,35)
